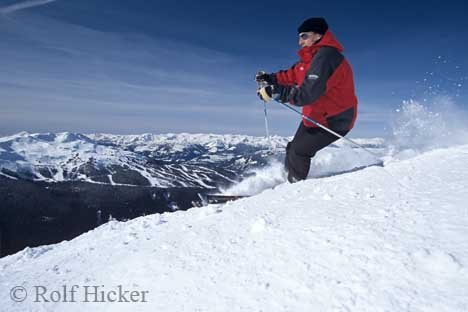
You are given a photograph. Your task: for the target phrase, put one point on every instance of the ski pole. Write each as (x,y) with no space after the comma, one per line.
(261,85)
(329,130)
(266,121)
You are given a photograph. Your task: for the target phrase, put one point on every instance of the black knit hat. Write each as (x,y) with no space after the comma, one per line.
(315,24)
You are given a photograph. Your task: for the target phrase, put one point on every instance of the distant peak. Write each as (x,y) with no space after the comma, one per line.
(65,137)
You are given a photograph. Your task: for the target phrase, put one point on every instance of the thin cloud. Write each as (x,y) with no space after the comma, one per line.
(24,5)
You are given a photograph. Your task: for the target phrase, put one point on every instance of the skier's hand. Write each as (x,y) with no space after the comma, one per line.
(275,92)
(266,93)
(263,77)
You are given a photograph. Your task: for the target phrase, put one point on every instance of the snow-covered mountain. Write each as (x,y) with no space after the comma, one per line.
(389,238)
(167,160)
(170,160)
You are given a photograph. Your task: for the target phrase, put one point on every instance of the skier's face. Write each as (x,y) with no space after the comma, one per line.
(306,39)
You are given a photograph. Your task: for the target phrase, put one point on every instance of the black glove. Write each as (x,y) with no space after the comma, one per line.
(262,77)
(282,93)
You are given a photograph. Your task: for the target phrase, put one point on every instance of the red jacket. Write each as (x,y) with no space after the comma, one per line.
(322,83)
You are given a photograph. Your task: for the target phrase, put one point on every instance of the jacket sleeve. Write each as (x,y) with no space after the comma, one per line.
(286,77)
(314,86)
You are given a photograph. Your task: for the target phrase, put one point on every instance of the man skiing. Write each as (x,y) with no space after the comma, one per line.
(322,83)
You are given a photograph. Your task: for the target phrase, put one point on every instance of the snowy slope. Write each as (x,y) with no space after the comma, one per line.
(377,239)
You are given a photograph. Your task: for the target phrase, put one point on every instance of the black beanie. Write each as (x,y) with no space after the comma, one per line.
(315,24)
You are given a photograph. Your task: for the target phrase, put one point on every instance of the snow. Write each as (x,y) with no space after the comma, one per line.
(422,127)
(389,238)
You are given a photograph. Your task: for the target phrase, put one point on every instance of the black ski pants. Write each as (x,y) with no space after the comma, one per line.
(306,142)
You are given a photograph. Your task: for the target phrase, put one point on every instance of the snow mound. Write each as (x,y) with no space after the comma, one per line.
(359,241)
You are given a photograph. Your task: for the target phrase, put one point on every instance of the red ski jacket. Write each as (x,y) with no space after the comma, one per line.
(322,83)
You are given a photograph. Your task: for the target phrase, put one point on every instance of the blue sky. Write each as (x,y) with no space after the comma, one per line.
(159,66)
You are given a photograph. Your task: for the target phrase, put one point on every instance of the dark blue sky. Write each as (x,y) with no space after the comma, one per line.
(398,50)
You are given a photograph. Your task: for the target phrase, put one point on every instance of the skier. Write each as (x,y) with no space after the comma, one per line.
(322,83)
